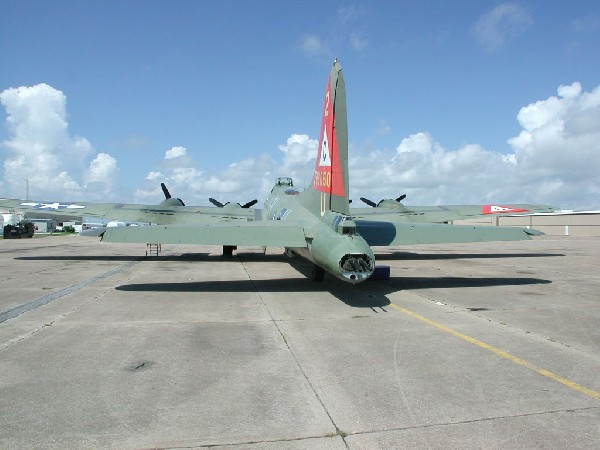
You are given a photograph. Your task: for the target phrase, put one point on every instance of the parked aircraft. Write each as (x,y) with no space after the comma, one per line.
(316,223)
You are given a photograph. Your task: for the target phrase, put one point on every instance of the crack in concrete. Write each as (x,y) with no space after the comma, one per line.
(262,441)
(386,430)
(483,419)
(338,432)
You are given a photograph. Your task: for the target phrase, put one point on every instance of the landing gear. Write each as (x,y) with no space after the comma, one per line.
(317,273)
(228,250)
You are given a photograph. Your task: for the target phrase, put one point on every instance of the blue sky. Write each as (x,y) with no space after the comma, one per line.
(233,90)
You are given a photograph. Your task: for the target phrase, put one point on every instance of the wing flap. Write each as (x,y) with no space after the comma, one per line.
(388,233)
(275,234)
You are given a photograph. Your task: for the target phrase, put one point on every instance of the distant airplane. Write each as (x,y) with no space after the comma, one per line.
(315,223)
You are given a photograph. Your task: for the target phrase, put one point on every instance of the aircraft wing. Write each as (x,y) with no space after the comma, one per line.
(264,234)
(128,212)
(280,234)
(379,233)
(438,214)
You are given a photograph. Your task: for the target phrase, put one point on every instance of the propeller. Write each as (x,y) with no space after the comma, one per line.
(169,201)
(250,203)
(165,191)
(369,202)
(375,205)
(218,204)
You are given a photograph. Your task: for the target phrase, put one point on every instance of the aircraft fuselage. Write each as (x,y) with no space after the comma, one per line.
(333,243)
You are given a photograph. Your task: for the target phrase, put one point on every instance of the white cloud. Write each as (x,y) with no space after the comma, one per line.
(338,39)
(555,159)
(560,140)
(312,45)
(101,177)
(41,149)
(384,128)
(102,169)
(194,185)
(298,151)
(357,42)
(502,24)
(175,152)
(346,15)
(429,173)
(154,176)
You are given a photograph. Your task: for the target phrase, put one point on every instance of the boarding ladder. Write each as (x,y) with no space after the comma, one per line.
(153,249)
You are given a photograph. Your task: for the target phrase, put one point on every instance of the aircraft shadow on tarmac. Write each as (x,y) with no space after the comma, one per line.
(370,294)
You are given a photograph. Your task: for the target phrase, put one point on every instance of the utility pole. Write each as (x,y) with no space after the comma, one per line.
(26,189)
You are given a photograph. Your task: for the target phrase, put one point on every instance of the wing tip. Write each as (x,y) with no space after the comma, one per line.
(533,232)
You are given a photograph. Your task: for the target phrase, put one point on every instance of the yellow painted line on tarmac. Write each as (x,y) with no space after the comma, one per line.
(503,354)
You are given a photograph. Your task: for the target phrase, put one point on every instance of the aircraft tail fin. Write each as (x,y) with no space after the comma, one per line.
(329,189)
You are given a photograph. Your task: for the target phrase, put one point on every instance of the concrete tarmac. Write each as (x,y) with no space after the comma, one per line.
(492,345)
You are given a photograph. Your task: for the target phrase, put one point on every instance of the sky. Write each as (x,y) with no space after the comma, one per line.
(461,102)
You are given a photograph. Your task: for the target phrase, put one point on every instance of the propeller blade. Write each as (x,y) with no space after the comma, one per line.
(165,191)
(369,202)
(250,203)
(217,203)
